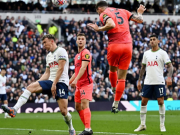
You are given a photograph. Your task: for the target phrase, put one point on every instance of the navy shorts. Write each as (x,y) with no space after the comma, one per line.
(61,89)
(3,97)
(149,91)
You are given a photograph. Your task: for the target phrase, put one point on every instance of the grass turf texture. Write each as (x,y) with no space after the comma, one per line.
(103,123)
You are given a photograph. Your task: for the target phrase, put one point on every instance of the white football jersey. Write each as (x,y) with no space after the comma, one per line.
(2,84)
(154,62)
(52,60)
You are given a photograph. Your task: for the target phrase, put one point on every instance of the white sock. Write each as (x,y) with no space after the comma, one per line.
(68,120)
(162,114)
(115,104)
(143,112)
(22,99)
(6,112)
(88,129)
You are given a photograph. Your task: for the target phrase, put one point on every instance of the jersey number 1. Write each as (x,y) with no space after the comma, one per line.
(120,19)
(161,91)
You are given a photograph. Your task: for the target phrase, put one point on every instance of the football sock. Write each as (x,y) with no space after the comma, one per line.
(162,114)
(22,99)
(68,120)
(119,89)
(115,104)
(113,78)
(81,115)
(5,112)
(143,112)
(88,129)
(87,118)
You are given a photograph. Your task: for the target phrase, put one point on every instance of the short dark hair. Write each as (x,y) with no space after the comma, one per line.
(81,34)
(101,4)
(154,36)
(3,69)
(49,36)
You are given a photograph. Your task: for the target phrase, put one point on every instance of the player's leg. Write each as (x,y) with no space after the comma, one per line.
(160,93)
(119,89)
(62,100)
(122,54)
(86,96)
(63,103)
(113,77)
(112,60)
(32,88)
(143,112)
(78,105)
(5,103)
(147,92)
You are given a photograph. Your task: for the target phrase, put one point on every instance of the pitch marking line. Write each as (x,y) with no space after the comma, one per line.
(107,133)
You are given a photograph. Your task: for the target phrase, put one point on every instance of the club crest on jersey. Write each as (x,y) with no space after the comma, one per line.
(87,56)
(152,63)
(79,57)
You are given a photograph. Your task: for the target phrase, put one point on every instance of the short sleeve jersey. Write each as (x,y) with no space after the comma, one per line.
(121,32)
(154,62)
(86,78)
(2,84)
(52,61)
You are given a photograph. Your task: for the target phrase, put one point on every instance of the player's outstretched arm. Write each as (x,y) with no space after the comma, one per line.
(46,75)
(142,71)
(139,18)
(72,78)
(109,25)
(81,72)
(170,73)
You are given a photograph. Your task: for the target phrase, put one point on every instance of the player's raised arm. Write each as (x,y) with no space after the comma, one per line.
(46,75)
(142,71)
(138,18)
(109,25)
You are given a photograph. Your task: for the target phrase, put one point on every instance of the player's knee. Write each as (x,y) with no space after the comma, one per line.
(160,102)
(64,112)
(143,103)
(84,105)
(32,87)
(5,102)
(78,107)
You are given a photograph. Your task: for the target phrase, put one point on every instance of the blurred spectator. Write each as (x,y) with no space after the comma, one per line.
(53,29)
(24,56)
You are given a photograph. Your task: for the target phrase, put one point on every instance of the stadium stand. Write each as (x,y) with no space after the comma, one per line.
(22,54)
(36,7)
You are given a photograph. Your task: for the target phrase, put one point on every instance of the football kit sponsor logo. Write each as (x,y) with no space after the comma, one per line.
(53,64)
(152,63)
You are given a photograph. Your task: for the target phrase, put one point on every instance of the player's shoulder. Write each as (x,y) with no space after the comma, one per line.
(147,52)
(162,51)
(86,51)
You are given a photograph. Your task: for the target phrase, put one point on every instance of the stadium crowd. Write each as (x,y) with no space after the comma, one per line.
(22,54)
(85,8)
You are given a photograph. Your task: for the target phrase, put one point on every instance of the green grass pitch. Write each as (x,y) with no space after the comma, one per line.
(103,123)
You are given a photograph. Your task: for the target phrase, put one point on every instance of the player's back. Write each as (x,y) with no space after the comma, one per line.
(121,32)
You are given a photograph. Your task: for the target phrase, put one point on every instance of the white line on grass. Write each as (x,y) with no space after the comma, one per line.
(105,133)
